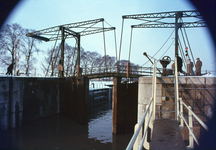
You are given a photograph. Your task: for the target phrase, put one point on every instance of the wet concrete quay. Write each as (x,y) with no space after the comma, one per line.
(166,135)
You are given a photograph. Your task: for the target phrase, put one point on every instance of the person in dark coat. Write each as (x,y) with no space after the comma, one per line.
(190,67)
(198,67)
(179,65)
(9,69)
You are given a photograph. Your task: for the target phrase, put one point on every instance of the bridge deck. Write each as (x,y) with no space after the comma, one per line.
(166,135)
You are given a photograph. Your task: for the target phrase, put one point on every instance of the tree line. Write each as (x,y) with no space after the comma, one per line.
(13,37)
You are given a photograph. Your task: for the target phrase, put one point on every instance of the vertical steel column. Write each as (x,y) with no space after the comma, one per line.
(78,55)
(176,91)
(154,89)
(177,26)
(62,49)
(190,120)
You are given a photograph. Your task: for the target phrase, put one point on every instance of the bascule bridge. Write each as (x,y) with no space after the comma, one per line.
(156,99)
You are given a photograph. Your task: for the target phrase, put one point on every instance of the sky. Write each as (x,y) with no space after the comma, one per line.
(42,14)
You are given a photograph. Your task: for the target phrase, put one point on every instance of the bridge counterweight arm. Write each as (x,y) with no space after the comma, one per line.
(71,25)
(171,25)
(163,15)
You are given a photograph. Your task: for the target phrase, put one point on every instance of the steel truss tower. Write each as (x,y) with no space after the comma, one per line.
(165,20)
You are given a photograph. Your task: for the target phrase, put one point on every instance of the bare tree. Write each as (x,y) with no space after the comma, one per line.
(28,48)
(94,60)
(8,42)
(51,60)
(53,57)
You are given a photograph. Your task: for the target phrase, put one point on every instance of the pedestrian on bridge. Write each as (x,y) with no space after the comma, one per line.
(60,69)
(190,67)
(198,67)
(179,65)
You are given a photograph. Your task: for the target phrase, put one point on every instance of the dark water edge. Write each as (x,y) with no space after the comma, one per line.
(59,132)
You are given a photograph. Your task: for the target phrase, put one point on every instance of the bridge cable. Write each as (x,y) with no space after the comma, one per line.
(189,46)
(167,49)
(188,43)
(104,45)
(161,56)
(183,37)
(52,53)
(161,47)
(121,38)
(130,45)
(115,40)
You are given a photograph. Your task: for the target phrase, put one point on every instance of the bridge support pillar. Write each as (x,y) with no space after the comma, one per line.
(125,99)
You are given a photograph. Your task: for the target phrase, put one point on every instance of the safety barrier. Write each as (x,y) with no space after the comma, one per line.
(147,119)
(190,123)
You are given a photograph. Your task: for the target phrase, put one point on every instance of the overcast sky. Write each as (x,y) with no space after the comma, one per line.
(42,14)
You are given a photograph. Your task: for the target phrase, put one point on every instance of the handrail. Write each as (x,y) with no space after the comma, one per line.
(197,118)
(134,137)
(151,117)
(190,124)
(189,129)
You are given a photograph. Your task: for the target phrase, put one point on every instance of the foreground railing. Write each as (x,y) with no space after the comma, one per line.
(147,119)
(189,125)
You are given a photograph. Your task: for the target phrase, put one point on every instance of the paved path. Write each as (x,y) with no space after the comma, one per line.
(166,136)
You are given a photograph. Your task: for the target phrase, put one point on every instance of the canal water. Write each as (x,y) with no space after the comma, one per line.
(59,132)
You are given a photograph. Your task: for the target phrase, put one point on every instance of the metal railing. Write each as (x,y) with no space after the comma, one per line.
(149,116)
(189,125)
(147,119)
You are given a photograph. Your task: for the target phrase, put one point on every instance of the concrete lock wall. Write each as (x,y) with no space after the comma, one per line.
(26,99)
(197,92)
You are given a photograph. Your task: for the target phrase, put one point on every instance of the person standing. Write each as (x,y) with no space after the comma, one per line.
(198,67)
(179,65)
(190,67)
(60,69)
(9,69)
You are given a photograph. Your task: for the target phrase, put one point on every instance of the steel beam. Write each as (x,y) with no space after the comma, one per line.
(164,15)
(171,25)
(71,25)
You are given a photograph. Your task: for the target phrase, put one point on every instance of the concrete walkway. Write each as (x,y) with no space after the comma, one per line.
(166,135)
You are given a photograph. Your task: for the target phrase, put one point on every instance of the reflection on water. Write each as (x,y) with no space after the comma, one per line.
(100,127)
(60,132)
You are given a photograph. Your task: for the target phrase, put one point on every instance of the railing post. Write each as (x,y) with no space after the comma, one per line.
(154,90)
(136,143)
(146,144)
(181,114)
(176,91)
(190,120)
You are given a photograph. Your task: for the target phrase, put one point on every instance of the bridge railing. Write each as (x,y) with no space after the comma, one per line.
(189,124)
(147,120)
(136,70)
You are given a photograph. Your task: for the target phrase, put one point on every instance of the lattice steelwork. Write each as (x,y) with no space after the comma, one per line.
(73,30)
(51,34)
(149,21)
(164,15)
